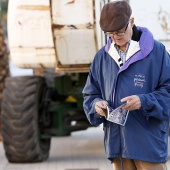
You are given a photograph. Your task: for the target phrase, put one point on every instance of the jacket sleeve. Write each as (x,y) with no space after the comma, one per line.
(157,103)
(92,94)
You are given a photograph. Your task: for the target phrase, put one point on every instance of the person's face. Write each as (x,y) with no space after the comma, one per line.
(121,37)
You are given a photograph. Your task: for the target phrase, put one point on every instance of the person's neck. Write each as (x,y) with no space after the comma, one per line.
(124,47)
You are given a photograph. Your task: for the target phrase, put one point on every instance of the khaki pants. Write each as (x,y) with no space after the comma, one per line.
(130,164)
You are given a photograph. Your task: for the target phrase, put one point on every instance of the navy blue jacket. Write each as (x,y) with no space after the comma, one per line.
(146,73)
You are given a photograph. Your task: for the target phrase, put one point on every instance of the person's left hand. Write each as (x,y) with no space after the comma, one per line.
(132,102)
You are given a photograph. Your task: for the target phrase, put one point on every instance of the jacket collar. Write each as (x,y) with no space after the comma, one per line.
(133,48)
(138,50)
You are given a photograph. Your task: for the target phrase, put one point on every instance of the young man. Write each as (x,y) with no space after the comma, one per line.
(132,68)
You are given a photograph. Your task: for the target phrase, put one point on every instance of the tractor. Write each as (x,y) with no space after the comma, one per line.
(57,40)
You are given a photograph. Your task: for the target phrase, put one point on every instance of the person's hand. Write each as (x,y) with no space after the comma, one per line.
(132,102)
(100,107)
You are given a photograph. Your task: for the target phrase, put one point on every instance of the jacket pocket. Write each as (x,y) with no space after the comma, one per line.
(164,126)
(158,127)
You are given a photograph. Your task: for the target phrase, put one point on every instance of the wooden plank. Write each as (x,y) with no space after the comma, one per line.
(33,58)
(77,12)
(29,24)
(75,46)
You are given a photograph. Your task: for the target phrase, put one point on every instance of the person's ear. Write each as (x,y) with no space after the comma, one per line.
(132,21)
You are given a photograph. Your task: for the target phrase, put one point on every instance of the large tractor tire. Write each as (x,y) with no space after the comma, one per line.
(4,68)
(22,128)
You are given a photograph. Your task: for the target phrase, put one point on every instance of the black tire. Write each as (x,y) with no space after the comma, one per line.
(4,67)
(21,129)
